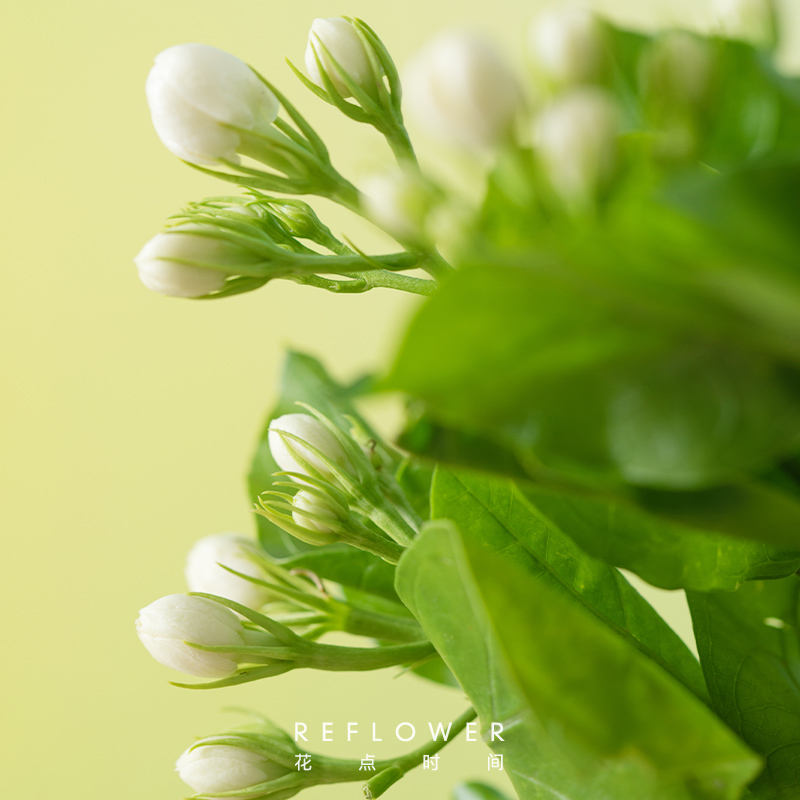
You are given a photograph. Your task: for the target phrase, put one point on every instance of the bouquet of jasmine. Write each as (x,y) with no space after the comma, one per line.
(604,374)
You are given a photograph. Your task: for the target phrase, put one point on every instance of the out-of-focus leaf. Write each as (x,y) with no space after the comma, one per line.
(575,699)
(415,478)
(749,644)
(568,371)
(495,514)
(476,791)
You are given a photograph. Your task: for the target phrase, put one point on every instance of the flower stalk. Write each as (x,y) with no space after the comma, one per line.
(265,751)
(346,58)
(288,651)
(308,603)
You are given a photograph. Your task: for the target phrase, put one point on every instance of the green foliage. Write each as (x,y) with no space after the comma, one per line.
(678,541)
(600,387)
(750,649)
(350,568)
(605,384)
(575,698)
(476,791)
(494,514)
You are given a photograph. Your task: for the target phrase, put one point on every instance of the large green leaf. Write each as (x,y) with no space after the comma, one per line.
(586,716)
(750,650)
(586,368)
(494,513)
(680,541)
(671,539)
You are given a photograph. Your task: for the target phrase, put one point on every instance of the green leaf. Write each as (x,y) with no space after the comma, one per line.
(671,539)
(608,722)
(750,650)
(599,371)
(414,478)
(751,214)
(476,791)
(349,567)
(679,540)
(494,513)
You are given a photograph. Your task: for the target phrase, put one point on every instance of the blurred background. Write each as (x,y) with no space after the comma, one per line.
(128,419)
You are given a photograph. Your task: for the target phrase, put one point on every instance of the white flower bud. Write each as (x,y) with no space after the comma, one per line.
(753,20)
(568,45)
(399,203)
(311,430)
(460,88)
(195,92)
(310,503)
(341,40)
(204,573)
(165,625)
(576,138)
(209,769)
(161,263)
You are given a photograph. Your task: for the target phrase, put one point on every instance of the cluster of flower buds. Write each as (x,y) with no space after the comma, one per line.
(210,108)
(462,91)
(224,246)
(340,495)
(233,567)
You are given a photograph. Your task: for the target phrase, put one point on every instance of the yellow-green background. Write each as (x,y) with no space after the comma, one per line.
(128,419)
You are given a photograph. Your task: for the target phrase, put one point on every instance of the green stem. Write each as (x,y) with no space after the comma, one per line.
(416,757)
(373,543)
(389,627)
(396,527)
(360,282)
(436,265)
(345,194)
(335,658)
(403,150)
(344,264)
(334,770)
(380,278)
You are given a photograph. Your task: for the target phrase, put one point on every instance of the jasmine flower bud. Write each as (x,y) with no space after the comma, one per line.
(205,573)
(576,138)
(308,505)
(337,40)
(399,203)
(753,20)
(300,220)
(209,769)
(568,45)
(198,95)
(166,625)
(191,260)
(460,88)
(287,450)
(162,264)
